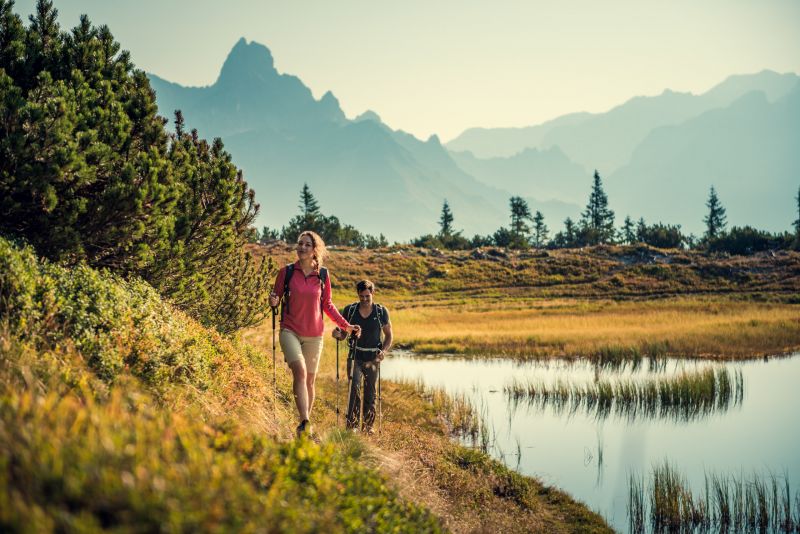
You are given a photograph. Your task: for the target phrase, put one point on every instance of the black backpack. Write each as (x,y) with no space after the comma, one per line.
(323,276)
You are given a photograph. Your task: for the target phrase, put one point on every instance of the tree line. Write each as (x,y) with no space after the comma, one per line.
(596,226)
(90,173)
(328,227)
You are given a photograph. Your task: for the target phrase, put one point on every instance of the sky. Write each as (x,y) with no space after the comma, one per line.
(444,66)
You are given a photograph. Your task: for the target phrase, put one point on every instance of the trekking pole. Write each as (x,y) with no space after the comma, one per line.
(274,371)
(337,381)
(362,381)
(380,403)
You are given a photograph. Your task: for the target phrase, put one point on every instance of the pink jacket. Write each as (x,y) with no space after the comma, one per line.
(304,316)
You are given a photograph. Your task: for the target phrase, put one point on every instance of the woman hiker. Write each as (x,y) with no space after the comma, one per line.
(368,352)
(305,288)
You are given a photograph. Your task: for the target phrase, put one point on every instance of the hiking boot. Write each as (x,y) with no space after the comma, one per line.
(303,428)
(370,431)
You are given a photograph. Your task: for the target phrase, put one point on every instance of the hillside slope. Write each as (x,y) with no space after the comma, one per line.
(119,412)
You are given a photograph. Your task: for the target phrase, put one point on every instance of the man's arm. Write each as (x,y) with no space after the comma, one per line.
(387,340)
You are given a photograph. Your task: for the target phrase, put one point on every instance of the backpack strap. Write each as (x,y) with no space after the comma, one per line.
(380,313)
(286,291)
(323,276)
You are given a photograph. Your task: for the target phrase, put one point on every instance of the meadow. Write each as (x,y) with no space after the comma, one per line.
(604,303)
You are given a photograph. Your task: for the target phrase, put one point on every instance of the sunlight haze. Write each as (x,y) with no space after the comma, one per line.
(439,68)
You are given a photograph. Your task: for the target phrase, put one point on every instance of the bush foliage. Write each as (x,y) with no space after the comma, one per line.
(89,173)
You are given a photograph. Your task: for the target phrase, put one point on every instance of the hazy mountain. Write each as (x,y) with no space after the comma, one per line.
(605,141)
(545,174)
(248,94)
(504,142)
(748,151)
(369,175)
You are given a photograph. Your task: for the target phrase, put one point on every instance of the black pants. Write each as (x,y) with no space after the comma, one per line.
(368,371)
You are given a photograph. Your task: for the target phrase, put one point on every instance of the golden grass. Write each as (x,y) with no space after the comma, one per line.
(713,327)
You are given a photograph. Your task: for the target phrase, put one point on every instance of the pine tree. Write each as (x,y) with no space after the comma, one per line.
(520,215)
(715,220)
(308,204)
(641,230)
(627,231)
(446,221)
(797,222)
(540,230)
(598,219)
(570,231)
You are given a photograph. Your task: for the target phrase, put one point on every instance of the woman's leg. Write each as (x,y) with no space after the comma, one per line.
(310,391)
(312,350)
(299,377)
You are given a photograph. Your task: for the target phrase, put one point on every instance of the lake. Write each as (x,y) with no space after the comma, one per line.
(592,456)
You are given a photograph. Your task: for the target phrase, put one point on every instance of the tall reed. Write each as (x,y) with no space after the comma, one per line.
(683,397)
(727,503)
(463,419)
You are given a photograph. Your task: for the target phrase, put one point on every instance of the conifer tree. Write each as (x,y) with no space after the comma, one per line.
(627,231)
(598,219)
(715,220)
(520,216)
(641,230)
(540,230)
(308,204)
(570,231)
(446,221)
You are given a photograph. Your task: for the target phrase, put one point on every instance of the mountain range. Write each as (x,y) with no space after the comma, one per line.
(378,179)
(387,181)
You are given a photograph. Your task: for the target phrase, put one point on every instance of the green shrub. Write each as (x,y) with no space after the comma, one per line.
(88,172)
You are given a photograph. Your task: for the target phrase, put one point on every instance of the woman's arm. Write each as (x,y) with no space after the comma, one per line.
(330,310)
(277,289)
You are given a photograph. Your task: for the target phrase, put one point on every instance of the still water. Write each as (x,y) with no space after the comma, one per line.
(592,458)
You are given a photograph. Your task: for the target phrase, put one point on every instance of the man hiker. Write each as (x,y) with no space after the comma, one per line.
(367,351)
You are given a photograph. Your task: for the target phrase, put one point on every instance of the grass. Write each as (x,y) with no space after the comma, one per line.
(119,413)
(684,397)
(726,503)
(707,327)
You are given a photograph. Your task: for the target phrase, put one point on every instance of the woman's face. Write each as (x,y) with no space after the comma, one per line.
(305,247)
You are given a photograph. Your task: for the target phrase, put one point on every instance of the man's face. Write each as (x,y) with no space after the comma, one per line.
(365,297)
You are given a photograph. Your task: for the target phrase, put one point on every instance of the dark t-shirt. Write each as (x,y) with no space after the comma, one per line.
(371,327)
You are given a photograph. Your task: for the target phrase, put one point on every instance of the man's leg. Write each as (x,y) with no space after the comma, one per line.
(354,399)
(370,384)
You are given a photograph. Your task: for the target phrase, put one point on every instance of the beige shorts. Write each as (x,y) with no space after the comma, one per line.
(296,348)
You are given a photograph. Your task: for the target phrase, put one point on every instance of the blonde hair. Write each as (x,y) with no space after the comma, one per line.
(320,252)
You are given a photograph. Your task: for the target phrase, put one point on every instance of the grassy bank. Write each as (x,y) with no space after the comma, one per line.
(118,412)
